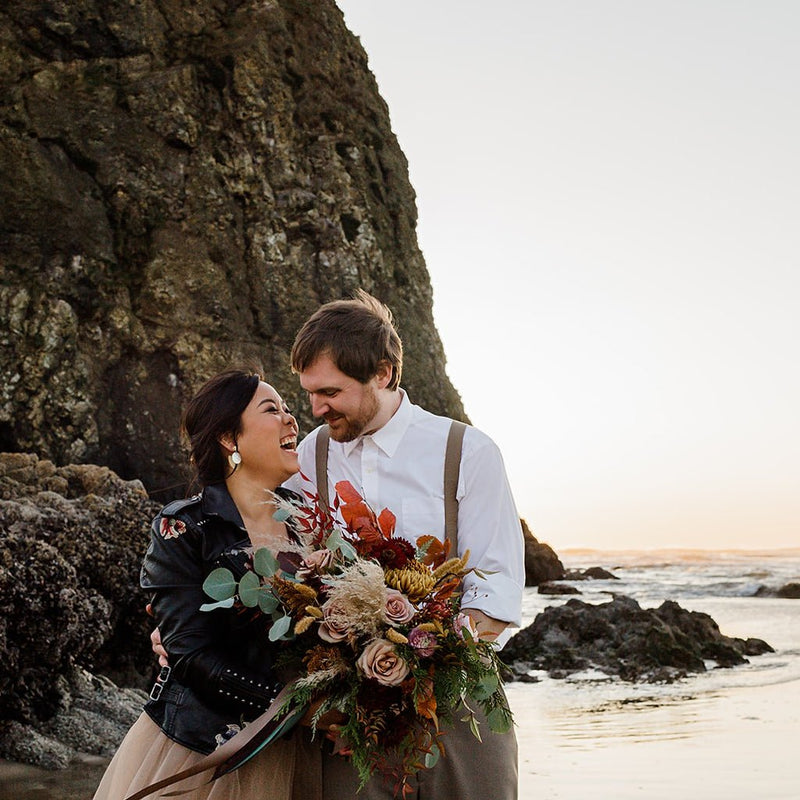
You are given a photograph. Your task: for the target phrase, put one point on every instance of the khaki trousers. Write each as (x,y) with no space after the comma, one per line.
(471,770)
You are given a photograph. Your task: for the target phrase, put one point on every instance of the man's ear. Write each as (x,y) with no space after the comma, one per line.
(384,374)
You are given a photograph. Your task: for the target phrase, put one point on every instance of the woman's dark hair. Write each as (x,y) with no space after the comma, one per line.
(214,411)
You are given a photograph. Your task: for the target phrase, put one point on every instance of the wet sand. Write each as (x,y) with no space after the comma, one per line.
(733,745)
(78,782)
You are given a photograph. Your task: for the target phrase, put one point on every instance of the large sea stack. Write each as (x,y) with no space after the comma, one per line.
(182,184)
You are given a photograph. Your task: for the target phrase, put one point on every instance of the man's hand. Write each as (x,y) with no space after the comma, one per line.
(155,643)
(488,628)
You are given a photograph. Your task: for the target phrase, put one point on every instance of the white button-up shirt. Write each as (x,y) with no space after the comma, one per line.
(401,467)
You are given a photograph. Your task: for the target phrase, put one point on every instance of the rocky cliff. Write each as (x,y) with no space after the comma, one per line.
(182,184)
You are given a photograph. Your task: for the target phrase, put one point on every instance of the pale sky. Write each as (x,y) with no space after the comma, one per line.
(609,197)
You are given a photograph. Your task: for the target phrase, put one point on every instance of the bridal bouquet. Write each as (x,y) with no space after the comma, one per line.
(372,628)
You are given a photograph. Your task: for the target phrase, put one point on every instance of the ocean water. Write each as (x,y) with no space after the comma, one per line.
(726,733)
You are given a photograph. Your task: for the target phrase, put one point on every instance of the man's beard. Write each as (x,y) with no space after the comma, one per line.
(349,428)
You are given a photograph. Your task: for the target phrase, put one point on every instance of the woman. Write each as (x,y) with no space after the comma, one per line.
(243,445)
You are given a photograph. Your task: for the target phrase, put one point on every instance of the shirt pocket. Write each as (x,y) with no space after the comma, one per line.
(422,516)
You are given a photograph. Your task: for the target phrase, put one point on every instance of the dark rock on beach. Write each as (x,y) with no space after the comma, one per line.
(541,562)
(557,588)
(71,543)
(788,590)
(590,574)
(621,638)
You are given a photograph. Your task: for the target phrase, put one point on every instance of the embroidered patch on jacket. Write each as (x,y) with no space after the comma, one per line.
(172,528)
(230,732)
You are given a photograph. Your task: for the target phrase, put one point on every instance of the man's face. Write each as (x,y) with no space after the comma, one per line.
(347,405)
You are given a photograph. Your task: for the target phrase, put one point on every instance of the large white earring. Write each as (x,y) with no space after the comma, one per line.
(235,458)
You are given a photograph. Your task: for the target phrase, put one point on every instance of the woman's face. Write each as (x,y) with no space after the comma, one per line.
(268,438)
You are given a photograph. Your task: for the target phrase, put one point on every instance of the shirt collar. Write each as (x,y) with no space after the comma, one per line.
(388,437)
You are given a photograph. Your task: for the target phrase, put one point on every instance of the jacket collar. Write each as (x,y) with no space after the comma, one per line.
(216,500)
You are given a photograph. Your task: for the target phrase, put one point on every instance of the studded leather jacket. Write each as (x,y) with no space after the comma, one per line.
(221,671)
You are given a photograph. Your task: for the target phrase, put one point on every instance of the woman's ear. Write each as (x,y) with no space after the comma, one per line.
(228,441)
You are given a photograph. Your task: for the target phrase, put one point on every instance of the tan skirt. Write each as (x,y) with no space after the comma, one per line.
(287,769)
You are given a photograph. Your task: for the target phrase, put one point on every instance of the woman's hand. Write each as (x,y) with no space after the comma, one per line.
(330,722)
(155,643)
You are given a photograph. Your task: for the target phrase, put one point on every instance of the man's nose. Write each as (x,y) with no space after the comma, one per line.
(319,406)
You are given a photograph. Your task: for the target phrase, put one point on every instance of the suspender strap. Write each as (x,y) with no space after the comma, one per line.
(322,465)
(452,467)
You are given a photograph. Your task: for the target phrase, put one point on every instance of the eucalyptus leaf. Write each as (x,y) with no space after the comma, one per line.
(499,721)
(431,758)
(280,628)
(267,601)
(264,563)
(281,515)
(227,603)
(220,584)
(347,550)
(336,542)
(249,587)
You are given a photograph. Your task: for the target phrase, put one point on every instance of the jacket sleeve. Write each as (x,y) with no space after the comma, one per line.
(174,570)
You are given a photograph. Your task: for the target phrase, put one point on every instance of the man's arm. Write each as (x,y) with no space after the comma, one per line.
(489,527)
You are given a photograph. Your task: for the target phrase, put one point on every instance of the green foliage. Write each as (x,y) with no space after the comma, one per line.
(220,584)
(280,627)
(336,543)
(249,589)
(264,563)
(227,603)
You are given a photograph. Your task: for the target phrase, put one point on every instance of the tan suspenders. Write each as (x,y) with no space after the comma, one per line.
(322,465)
(452,467)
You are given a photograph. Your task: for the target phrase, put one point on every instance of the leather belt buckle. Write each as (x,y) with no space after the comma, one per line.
(161,682)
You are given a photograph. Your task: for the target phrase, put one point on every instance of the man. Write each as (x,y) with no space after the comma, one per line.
(348,358)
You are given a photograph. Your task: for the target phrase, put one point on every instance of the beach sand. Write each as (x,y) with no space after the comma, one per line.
(733,745)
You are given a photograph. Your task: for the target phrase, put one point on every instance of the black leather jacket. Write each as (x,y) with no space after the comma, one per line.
(221,660)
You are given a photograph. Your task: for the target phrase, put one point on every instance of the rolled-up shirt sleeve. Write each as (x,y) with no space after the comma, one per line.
(489,527)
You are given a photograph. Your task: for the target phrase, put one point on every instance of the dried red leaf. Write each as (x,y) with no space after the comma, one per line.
(386,522)
(437,551)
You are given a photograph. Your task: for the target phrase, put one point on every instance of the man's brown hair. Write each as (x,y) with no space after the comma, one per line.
(357,334)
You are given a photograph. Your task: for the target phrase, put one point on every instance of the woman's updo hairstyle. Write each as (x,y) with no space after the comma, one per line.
(216,410)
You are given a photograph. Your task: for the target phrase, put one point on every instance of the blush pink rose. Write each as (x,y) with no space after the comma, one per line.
(423,642)
(398,608)
(381,662)
(315,563)
(334,627)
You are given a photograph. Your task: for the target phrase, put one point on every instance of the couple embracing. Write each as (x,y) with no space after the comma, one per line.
(221,670)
